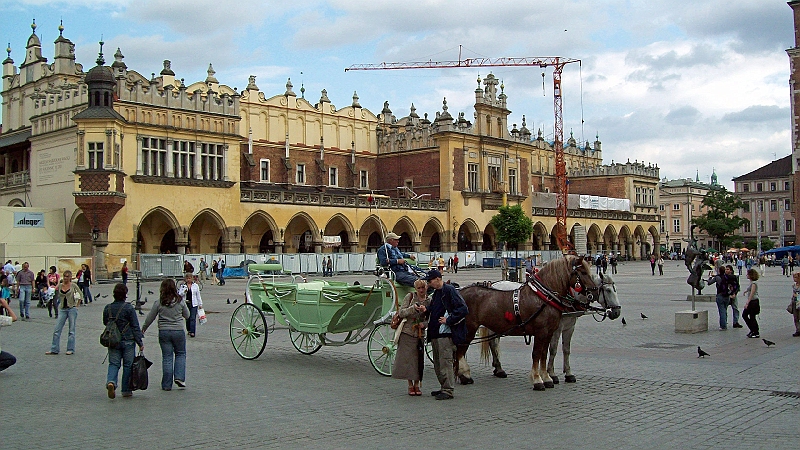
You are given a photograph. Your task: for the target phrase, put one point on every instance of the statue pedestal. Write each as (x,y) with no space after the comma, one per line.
(702,298)
(691,321)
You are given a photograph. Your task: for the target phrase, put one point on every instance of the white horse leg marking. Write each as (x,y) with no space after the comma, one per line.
(463,367)
(569,329)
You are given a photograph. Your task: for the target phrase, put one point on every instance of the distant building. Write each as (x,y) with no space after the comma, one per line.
(679,201)
(767,194)
(794,96)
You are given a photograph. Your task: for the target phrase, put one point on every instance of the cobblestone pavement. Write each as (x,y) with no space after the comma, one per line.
(639,386)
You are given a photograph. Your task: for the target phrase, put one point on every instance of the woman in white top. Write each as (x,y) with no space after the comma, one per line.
(190,293)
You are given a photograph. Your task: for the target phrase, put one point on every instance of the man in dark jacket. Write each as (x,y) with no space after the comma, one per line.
(723,296)
(446,329)
(123,313)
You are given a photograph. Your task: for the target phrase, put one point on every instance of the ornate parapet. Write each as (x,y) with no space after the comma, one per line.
(279,195)
(172,181)
(597,214)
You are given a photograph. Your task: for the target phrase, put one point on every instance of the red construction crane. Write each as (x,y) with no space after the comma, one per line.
(557,63)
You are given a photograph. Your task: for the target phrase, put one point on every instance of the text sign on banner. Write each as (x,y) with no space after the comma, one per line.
(28,220)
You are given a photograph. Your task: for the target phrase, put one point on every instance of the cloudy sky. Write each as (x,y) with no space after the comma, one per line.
(690,86)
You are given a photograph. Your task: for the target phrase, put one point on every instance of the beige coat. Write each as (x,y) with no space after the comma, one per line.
(415,320)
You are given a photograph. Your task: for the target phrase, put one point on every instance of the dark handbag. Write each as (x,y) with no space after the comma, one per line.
(395,321)
(139,368)
(791,307)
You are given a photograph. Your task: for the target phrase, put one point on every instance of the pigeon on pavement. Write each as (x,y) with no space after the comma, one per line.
(643,316)
(150,292)
(235,300)
(701,353)
(623,321)
(768,342)
(229,301)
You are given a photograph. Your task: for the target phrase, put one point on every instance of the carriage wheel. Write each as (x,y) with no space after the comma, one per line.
(429,350)
(248,331)
(305,343)
(381,349)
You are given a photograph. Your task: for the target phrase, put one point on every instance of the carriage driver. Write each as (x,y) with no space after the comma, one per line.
(391,256)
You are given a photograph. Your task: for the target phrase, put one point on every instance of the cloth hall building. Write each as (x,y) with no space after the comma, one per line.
(156,165)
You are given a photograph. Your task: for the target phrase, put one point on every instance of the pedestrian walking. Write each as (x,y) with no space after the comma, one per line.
(53,280)
(190,293)
(653,264)
(795,303)
(613,262)
(752,307)
(172,312)
(221,271)
(68,298)
(203,269)
(122,356)
(84,281)
(124,272)
(660,264)
(25,282)
(455,263)
(733,290)
(214,270)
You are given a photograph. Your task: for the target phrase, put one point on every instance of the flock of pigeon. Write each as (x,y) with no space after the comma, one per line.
(700,352)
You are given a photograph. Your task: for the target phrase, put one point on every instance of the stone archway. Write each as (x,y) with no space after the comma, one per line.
(205,234)
(302,235)
(432,234)
(370,234)
(490,239)
(339,225)
(408,235)
(594,239)
(539,235)
(467,237)
(259,233)
(610,239)
(156,232)
(80,231)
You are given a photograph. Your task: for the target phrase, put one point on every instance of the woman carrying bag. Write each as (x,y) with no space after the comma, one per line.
(190,293)
(125,316)
(171,311)
(408,361)
(68,297)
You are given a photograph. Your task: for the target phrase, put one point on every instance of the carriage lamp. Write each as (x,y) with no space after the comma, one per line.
(95,234)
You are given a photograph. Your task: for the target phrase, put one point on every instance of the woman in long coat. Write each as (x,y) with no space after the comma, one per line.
(408,361)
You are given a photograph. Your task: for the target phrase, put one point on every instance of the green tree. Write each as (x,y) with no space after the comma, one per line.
(766,244)
(720,220)
(513,226)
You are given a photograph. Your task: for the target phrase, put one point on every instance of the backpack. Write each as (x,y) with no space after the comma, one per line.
(111,337)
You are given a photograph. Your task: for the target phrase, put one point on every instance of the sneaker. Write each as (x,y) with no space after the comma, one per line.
(797,334)
(755,335)
(435,393)
(50,353)
(111,390)
(127,394)
(180,383)
(443,396)
(723,328)
(736,325)
(70,352)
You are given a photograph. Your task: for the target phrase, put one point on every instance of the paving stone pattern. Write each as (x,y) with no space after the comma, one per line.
(640,386)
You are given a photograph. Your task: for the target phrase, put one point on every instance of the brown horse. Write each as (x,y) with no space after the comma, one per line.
(495,310)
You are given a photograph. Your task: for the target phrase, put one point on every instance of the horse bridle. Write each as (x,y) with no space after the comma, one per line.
(603,312)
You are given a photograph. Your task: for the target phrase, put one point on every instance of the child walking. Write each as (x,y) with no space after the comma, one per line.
(751,306)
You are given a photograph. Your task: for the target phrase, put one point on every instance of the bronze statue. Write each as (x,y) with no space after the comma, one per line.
(697,262)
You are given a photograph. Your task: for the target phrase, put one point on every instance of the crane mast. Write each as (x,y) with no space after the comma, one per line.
(557,63)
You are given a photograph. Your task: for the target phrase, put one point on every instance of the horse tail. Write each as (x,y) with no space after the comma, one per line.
(482,333)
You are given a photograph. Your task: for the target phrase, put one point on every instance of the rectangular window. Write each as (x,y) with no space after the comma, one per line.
(651,197)
(265,170)
(183,154)
(661,207)
(788,224)
(746,187)
(746,207)
(760,205)
(364,179)
(472,177)
(662,230)
(773,205)
(676,225)
(787,186)
(154,157)
(95,155)
(759,187)
(212,158)
(787,204)
(676,206)
(774,225)
(512,181)
(300,178)
(638,195)
(761,226)
(495,179)
(746,228)
(773,186)
(333,176)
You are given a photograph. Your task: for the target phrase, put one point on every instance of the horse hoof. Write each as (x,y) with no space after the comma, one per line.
(549,384)
(555,379)
(500,373)
(570,378)
(465,380)
(538,387)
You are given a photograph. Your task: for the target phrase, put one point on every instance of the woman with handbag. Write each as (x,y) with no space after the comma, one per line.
(408,361)
(190,293)
(124,315)
(751,306)
(171,310)
(794,304)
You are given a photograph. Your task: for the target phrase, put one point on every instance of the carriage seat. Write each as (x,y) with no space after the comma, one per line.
(506,286)
(311,286)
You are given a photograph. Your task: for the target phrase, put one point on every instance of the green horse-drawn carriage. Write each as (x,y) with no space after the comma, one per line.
(317,313)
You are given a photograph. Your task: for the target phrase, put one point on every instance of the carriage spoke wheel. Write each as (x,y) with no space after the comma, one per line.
(248,331)
(381,349)
(305,343)
(429,350)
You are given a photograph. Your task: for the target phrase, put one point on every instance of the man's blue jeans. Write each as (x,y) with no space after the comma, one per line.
(25,300)
(121,357)
(70,314)
(173,356)
(722,306)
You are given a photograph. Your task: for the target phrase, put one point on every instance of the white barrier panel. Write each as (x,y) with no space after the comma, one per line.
(341,263)
(355,262)
(291,263)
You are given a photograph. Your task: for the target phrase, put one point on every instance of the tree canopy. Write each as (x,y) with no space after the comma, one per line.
(512,224)
(720,220)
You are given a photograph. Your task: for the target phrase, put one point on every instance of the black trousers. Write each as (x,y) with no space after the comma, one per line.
(6,360)
(749,315)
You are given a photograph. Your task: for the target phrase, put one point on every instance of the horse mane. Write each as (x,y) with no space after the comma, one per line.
(552,274)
